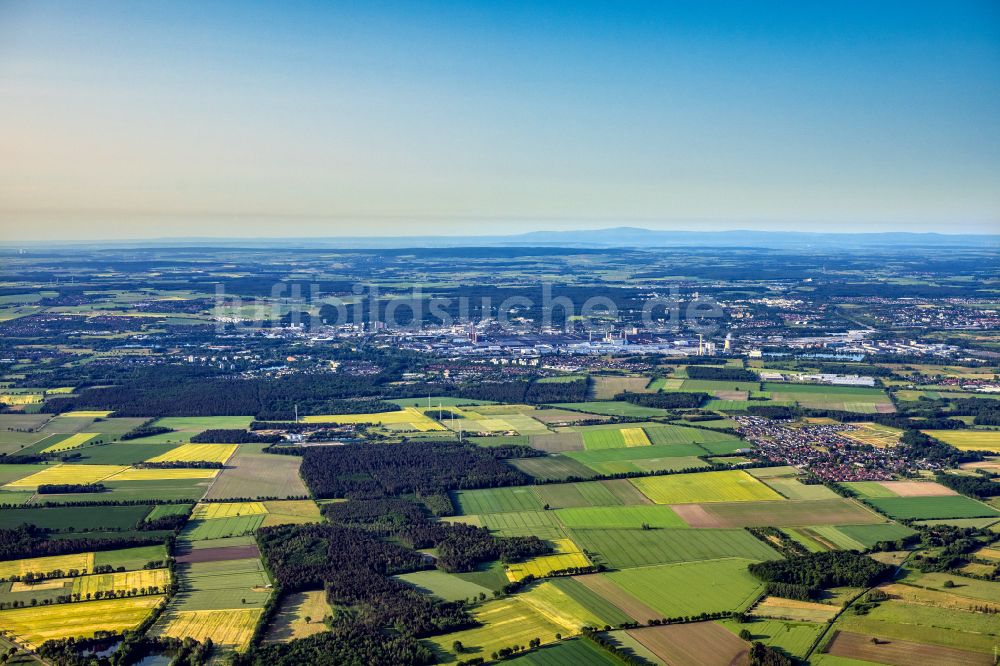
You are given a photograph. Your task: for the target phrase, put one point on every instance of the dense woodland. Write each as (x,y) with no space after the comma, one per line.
(374,470)
(842,568)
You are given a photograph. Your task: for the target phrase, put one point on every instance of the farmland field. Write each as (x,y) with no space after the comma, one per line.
(505,622)
(607,387)
(218,585)
(497,500)
(290,622)
(694,644)
(164,474)
(623,548)
(861,648)
(792,609)
(691,588)
(76,620)
(284,512)
(565,555)
(794,637)
(209,510)
(81,562)
(611,408)
(444,585)
(704,487)
(231,628)
(252,473)
(71,442)
(796,490)
(77,518)
(947,627)
(64,473)
(554,468)
(218,528)
(408,417)
(121,581)
(786,513)
(566,653)
(185,427)
(130,558)
(618,517)
(197,452)
(968,440)
(565,495)
(951,506)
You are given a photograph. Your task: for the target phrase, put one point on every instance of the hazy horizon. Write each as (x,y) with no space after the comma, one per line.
(124,120)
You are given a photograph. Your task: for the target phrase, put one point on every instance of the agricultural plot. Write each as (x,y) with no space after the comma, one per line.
(139,490)
(231,628)
(408,418)
(694,644)
(220,528)
(786,513)
(618,517)
(165,474)
(542,524)
(795,638)
(286,512)
(496,500)
(444,585)
(874,434)
(130,558)
(63,473)
(675,434)
(566,555)
(75,518)
(916,508)
(553,468)
(121,453)
(123,581)
(842,398)
(607,387)
(968,440)
(577,609)
(197,452)
(36,625)
(611,408)
(567,495)
(727,486)
(794,489)
(623,454)
(211,510)
(793,609)
(300,615)
(968,588)
(505,622)
(557,442)
(11,473)
(221,584)
(253,473)
(562,416)
(70,442)
(863,648)
(185,427)
(624,548)
(566,653)
(691,588)
(945,627)
(869,489)
(164,510)
(81,562)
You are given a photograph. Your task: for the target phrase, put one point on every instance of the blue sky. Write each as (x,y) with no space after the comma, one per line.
(376,118)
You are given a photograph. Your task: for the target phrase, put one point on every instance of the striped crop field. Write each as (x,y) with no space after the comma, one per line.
(197,452)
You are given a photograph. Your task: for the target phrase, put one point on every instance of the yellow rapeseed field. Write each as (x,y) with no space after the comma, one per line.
(71,442)
(121,581)
(635,437)
(211,510)
(80,561)
(36,625)
(132,474)
(197,452)
(68,474)
(230,627)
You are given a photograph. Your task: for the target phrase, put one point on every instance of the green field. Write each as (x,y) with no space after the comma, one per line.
(142,491)
(949,627)
(948,506)
(218,528)
(619,517)
(520,523)
(795,638)
(604,611)
(444,585)
(163,510)
(496,500)
(184,427)
(553,468)
(786,513)
(675,434)
(728,486)
(869,489)
(869,535)
(130,558)
(76,518)
(122,453)
(794,489)
(611,408)
(577,652)
(691,588)
(623,548)
(221,585)
(566,495)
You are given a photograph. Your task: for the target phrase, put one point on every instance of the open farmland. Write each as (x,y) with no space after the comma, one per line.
(618,517)
(164,474)
(786,513)
(183,428)
(866,648)
(624,548)
(36,625)
(408,418)
(253,473)
(949,506)
(75,518)
(497,500)
(691,588)
(567,653)
(695,644)
(968,440)
(230,628)
(611,408)
(210,510)
(124,581)
(197,452)
(505,622)
(565,555)
(290,621)
(82,562)
(64,473)
(725,486)
(218,528)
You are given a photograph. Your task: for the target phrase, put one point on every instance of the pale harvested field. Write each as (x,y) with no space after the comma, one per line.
(936,598)
(792,609)
(231,628)
(290,621)
(901,653)
(251,473)
(694,644)
(76,620)
(917,488)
